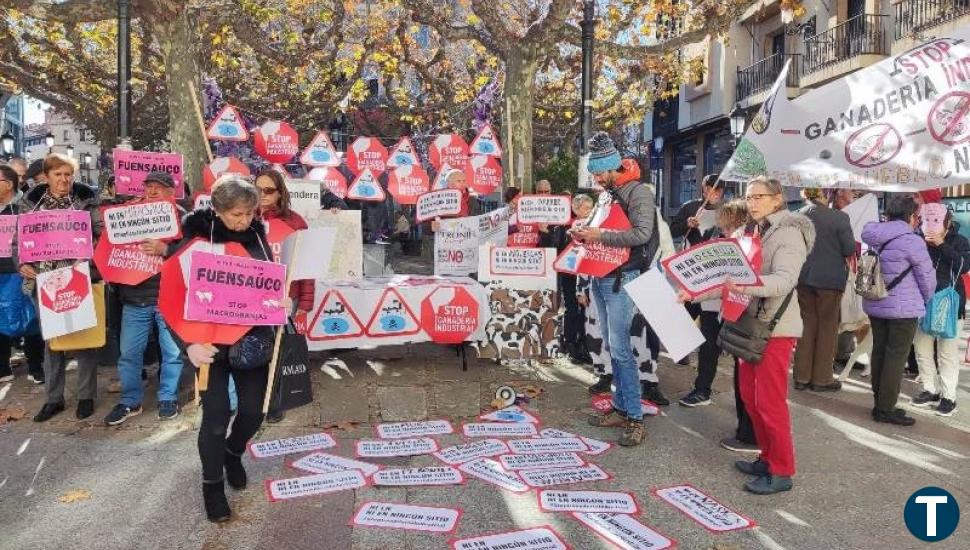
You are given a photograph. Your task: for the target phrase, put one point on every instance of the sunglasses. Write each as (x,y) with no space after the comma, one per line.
(267,190)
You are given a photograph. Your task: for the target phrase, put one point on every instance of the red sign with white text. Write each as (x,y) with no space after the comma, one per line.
(450,149)
(407,183)
(331,178)
(595,258)
(484,174)
(449,315)
(220,166)
(125,264)
(276,232)
(367,153)
(277,142)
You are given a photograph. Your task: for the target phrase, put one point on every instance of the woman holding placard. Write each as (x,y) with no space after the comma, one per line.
(61,193)
(232,219)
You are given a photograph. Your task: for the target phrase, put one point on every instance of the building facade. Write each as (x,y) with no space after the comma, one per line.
(691,136)
(68,137)
(12,119)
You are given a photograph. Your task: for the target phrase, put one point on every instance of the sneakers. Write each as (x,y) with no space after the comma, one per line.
(633,434)
(48,411)
(85,408)
(602,385)
(651,392)
(946,407)
(695,399)
(757,468)
(120,413)
(612,420)
(898,418)
(168,410)
(36,377)
(738,446)
(216,505)
(835,385)
(925,399)
(769,485)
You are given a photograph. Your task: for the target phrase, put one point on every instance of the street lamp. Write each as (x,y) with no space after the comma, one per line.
(6,143)
(49,140)
(69,150)
(588,26)
(738,119)
(86,159)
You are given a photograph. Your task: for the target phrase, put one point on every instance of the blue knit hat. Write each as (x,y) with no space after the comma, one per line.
(603,155)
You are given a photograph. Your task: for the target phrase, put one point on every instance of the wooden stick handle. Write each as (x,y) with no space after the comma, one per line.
(201,381)
(198,113)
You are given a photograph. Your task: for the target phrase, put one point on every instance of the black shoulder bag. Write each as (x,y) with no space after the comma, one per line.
(747,337)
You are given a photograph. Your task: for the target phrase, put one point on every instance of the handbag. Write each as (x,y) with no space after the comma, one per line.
(941,320)
(748,337)
(292,386)
(254,350)
(17,314)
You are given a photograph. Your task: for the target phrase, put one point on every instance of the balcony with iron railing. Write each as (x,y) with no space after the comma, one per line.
(916,16)
(850,45)
(759,76)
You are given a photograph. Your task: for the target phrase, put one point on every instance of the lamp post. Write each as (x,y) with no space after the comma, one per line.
(86,161)
(69,150)
(49,141)
(588,25)
(738,118)
(6,144)
(124,71)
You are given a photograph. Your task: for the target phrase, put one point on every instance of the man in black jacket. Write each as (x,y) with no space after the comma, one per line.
(697,217)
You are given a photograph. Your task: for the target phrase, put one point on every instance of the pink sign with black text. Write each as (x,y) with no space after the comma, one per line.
(54,235)
(233,290)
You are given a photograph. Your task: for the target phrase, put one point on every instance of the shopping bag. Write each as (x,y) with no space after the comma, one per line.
(941,316)
(17,314)
(91,338)
(292,386)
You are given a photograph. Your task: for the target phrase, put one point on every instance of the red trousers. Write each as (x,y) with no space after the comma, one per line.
(764,390)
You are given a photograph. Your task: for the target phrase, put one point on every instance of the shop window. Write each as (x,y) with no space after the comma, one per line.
(683,174)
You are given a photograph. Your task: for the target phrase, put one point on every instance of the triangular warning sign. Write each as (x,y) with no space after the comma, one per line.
(334,319)
(568,261)
(439,180)
(392,317)
(366,188)
(320,152)
(486,143)
(402,154)
(228,126)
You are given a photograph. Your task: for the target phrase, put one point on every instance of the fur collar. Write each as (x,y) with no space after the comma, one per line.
(203,223)
(80,192)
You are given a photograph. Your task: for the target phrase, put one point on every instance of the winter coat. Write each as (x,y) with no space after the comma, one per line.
(952,260)
(300,291)
(638,202)
(825,267)
(7,265)
(145,293)
(678,224)
(907,300)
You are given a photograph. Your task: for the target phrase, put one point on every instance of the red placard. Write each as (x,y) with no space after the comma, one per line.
(450,149)
(733,304)
(407,183)
(8,228)
(320,152)
(331,178)
(220,166)
(595,258)
(449,315)
(125,264)
(367,153)
(484,174)
(277,142)
(276,232)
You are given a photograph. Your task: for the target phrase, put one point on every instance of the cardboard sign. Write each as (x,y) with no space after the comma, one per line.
(135,223)
(485,143)
(221,166)
(335,319)
(318,484)
(235,291)
(457,241)
(277,231)
(484,174)
(367,153)
(276,141)
(932,215)
(541,461)
(290,445)
(202,202)
(125,264)
(302,265)
(305,196)
(538,538)
(412,477)
(8,228)
(500,429)
(471,451)
(437,204)
(597,259)
(588,502)
(390,515)
(625,531)
(596,446)
(381,448)
(66,301)
(512,413)
(550,445)
(706,266)
(132,167)
(323,463)
(403,154)
(331,179)
(320,152)
(398,430)
(705,510)
(392,317)
(366,188)
(449,315)
(227,126)
(517,262)
(54,235)
(563,476)
(492,472)
(408,182)
(547,209)
(450,150)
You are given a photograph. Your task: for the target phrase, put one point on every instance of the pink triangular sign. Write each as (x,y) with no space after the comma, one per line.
(366,188)
(227,126)
(320,152)
(403,154)
(486,143)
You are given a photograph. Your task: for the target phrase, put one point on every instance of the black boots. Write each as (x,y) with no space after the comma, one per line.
(216,505)
(235,473)
(602,385)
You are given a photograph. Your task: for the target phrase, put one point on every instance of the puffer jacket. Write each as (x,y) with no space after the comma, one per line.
(300,291)
(907,300)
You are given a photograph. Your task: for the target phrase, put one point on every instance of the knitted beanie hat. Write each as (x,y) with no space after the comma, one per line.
(603,155)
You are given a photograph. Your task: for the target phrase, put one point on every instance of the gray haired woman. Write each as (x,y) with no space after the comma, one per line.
(232,219)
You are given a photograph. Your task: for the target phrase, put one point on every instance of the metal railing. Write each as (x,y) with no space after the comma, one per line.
(759,76)
(860,35)
(914,16)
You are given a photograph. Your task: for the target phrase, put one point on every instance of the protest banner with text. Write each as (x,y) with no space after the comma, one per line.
(233,290)
(48,235)
(135,223)
(545,209)
(132,167)
(708,265)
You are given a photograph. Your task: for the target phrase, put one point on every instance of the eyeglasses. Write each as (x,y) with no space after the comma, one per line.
(267,190)
(758,196)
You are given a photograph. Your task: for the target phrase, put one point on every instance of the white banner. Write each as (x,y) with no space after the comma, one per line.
(705,510)
(706,266)
(435,204)
(430,475)
(543,445)
(545,209)
(488,470)
(391,515)
(625,531)
(540,461)
(305,197)
(596,446)
(457,240)
(563,476)
(512,413)
(539,538)
(396,447)
(902,124)
(134,223)
(500,429)
(588,502)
